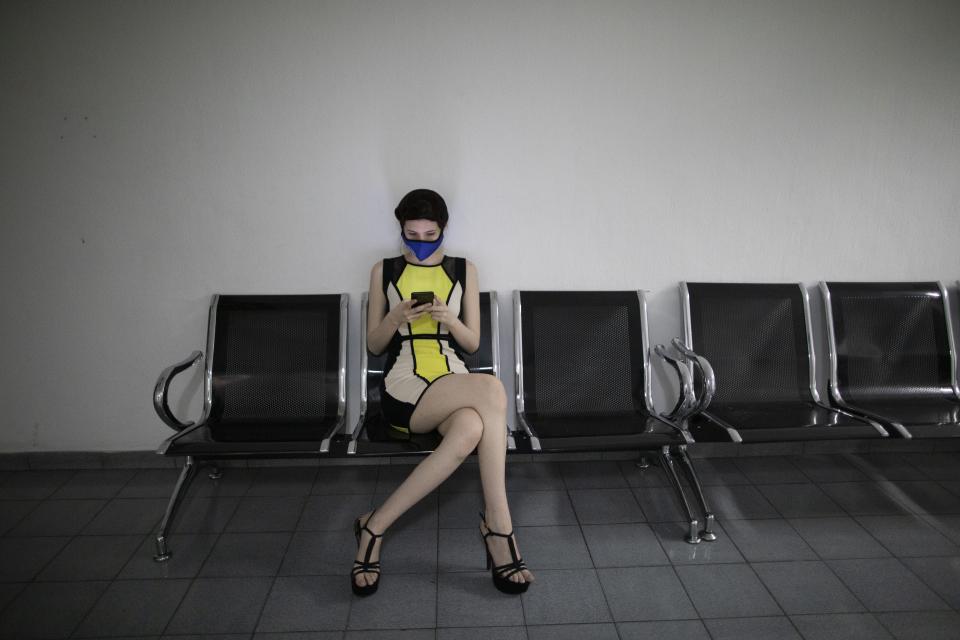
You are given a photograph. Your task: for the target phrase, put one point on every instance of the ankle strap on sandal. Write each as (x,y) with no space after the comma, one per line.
(367,529)
(491,531)
(375,535)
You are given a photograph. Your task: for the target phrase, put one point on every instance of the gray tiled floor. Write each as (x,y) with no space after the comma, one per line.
(810,547)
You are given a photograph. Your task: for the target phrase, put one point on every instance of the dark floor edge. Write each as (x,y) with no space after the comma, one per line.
(42,460)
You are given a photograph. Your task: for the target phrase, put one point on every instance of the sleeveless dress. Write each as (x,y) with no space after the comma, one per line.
(421,351)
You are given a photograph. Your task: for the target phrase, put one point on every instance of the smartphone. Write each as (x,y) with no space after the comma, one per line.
(421,297)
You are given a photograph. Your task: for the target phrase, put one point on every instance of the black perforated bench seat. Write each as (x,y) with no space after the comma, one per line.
(757,337)
(892,355)
(583,384)
(274,386)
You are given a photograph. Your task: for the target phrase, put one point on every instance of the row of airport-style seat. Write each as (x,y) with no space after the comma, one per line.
(275,377)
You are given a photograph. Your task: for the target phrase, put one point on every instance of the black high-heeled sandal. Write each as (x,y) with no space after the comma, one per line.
(501,574)
(365,566)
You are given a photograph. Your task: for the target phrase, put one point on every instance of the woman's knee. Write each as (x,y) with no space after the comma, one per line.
(493,392)
(465,431)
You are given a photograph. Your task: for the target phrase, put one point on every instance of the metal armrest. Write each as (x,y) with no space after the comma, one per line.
(686,402)
(701,366)
(186,431)
(163,387)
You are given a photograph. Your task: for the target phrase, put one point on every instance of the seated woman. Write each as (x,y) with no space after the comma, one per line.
(426,386)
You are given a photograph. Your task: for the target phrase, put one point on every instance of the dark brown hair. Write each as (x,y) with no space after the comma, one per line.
(422,204)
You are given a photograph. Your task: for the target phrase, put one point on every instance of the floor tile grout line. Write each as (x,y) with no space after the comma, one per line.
(921,580)
(273,582)
(819,559)
(927,584)
(766,588)
(6,534)
(886,627)
(934,521)
(203,562)
(656,538)
(805,473)
(810,546)
(880,542)
(262,470)
(105,501)
(923,471)
(779,510)
(133,476)
(57,554)
(89,611)
(755,484)
(875,473)
(904,501)
(703,621)
(40,501)
(596,573)
(829,568)
(693,604)
(13,598)
(827,564)
(952,492)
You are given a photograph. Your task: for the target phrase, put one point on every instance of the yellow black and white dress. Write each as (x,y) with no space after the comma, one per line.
(421,351)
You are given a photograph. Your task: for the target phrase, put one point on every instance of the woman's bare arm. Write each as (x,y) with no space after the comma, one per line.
(382,325)
(467,333)
(377,336)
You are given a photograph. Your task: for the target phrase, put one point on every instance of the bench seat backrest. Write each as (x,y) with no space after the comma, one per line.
(275,366)
(581,353)
(756,337)
(889,341)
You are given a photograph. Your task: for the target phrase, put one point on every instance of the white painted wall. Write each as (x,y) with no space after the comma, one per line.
(154,153)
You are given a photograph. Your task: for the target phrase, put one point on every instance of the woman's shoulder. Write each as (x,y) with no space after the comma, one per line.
(467,264)
(378,265)
(460,268)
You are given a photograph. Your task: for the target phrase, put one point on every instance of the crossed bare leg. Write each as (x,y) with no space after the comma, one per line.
(469,411)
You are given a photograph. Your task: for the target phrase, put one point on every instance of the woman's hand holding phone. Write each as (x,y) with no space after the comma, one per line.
(441,313)
(406,312)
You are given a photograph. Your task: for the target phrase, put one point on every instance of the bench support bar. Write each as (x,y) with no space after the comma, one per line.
(675,456)
(179,491)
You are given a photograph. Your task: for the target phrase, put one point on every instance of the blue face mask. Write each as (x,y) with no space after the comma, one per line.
(422,248)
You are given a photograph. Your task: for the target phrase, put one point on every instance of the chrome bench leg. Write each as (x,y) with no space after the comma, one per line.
(708,517)
(666,457)
(186,476)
